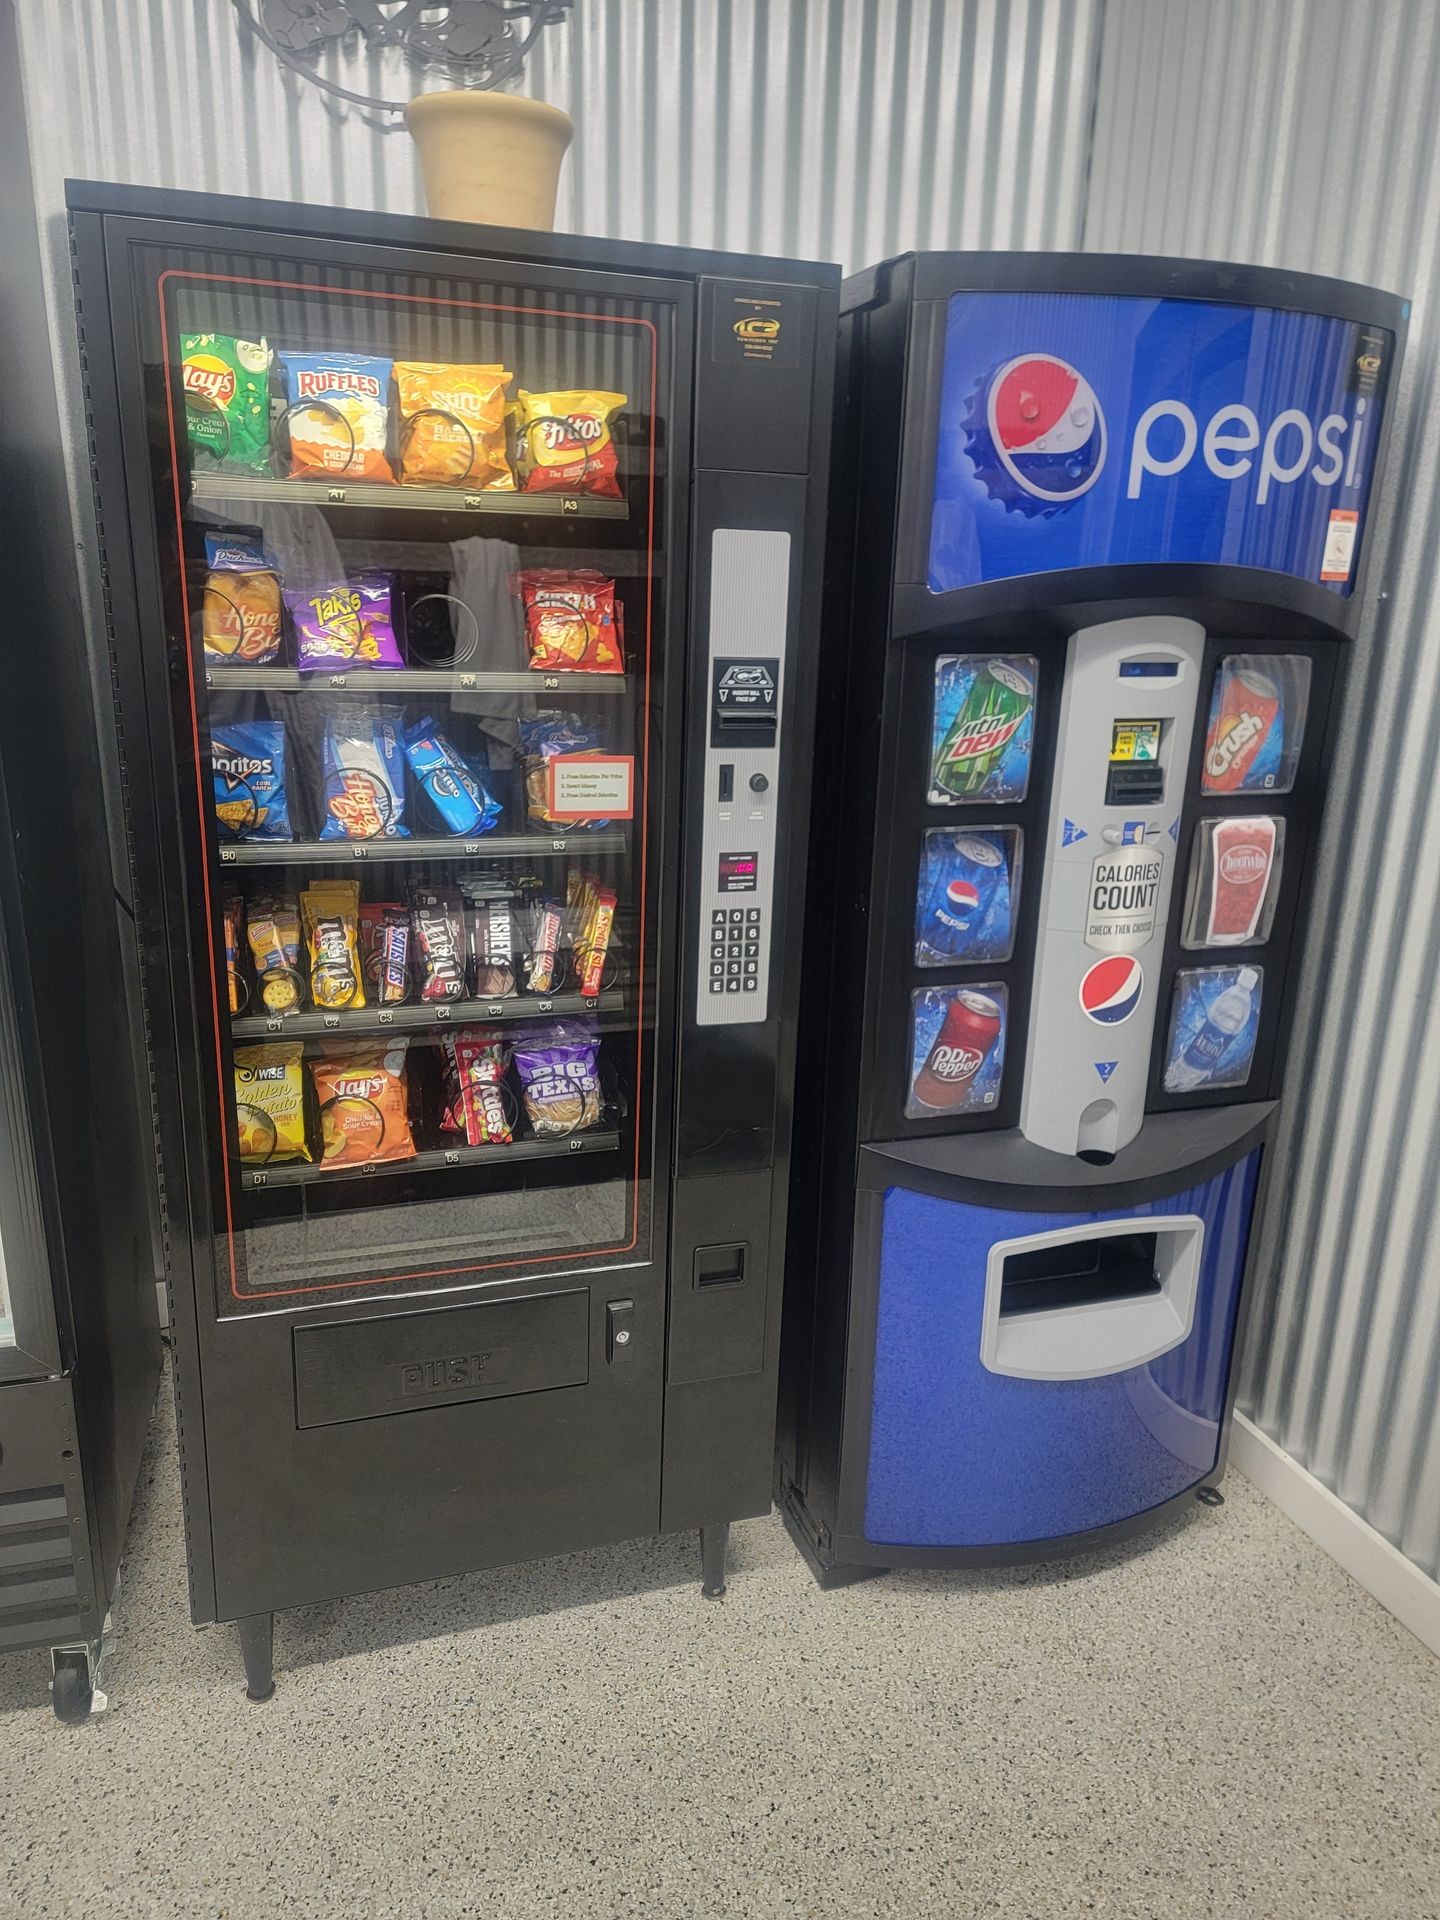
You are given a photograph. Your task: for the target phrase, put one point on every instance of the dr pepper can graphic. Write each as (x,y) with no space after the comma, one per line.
(969,1030)
(1249,708)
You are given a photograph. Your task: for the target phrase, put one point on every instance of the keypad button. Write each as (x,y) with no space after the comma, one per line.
(717,950)
(717,969)
(732,968)
(717,986)
(752,966)
(750,986)
(737,916)
(752,950)
(717,917)
(732,986)
(751,914)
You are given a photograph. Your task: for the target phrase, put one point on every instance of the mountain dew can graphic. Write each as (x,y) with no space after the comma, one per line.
(983,728)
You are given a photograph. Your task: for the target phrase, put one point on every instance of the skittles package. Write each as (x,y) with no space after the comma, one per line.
(572,622)
(364,1104)
(564,442)
(364,775)
(338,414)
(454,789)
(486,1108)
(240,611)
(452,426)
(337,627)
(227,402)
(270,1103)
(247,764)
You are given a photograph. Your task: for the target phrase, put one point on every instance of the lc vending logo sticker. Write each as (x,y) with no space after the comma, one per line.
(1110,991)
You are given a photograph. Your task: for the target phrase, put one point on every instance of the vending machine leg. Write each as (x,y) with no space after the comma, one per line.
(713,1544)
(257,1649)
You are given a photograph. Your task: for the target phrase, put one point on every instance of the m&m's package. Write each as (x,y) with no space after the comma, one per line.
(564,442)
(572,621)
(452,426)
(331,912)
(247,765)
(227,402)
(343,626)
(337,413)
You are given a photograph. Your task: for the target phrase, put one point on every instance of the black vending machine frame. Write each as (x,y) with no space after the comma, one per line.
(79,1207)
(750,446)
(860,910)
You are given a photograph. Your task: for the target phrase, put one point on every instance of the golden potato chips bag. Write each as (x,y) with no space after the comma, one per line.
(452,426)
(270,1103)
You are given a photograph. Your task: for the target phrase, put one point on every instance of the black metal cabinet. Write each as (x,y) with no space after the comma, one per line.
(476,1258)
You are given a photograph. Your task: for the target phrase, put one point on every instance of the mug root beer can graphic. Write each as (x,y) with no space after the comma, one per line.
(969,1030)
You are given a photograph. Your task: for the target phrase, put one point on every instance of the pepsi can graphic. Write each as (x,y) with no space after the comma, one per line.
(1041,442)
(967,896)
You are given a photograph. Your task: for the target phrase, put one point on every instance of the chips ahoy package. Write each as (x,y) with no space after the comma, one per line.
(247,763)
(338,413)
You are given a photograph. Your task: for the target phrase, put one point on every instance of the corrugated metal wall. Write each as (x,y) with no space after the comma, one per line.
(1305,133)
(830,129)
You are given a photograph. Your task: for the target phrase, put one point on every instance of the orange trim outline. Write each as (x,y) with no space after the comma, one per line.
(488,306)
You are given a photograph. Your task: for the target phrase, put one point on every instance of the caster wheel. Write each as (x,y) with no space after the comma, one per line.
(70,1690)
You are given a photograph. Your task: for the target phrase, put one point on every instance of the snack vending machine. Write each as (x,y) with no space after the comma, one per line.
(1108,520)
(464,588)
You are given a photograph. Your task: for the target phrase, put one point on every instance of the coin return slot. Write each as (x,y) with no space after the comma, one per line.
(719,1266)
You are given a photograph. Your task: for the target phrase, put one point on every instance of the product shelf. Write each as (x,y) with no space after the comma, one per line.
(303,1173)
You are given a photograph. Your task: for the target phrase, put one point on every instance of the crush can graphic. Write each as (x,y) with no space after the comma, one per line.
(1213,1023)
(1257,723)
(967,896)
(957,1049)
(984,727)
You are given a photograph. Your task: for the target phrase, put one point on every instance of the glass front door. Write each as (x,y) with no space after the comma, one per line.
(412,535)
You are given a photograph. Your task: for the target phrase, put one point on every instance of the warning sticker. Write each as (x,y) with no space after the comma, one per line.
(1339,554)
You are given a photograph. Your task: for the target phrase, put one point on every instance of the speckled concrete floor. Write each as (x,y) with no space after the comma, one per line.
(1218,1724)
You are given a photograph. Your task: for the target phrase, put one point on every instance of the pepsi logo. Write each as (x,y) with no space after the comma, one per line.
(1110,990)
(1047,427)
(962,896)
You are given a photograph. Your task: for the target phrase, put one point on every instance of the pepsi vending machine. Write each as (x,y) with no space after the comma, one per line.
(1109,520)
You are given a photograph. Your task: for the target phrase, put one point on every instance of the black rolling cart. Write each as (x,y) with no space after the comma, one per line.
(80,1349)
(465,604)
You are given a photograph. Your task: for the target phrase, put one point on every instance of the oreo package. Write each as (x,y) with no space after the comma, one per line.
(453,788)
(247,764)
(364,775)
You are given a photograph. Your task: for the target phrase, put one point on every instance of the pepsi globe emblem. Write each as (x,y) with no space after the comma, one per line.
(1044,439)
(1110,990)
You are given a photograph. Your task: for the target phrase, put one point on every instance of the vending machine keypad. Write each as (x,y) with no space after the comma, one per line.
(749,616)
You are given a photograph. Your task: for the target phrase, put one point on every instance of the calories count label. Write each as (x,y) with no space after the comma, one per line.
(1124,899)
